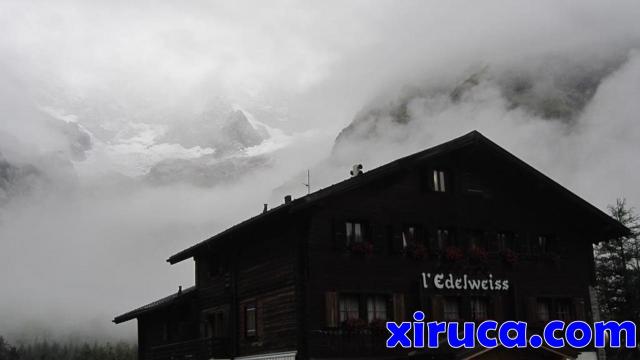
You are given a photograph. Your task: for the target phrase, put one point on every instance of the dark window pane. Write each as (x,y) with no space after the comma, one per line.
(377,308)
(451,309)
(349,307)
(479,309)
(543,310)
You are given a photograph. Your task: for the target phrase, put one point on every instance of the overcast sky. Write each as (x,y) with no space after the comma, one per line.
(91,91)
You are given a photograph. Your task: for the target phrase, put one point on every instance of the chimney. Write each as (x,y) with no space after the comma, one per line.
(287,199)
(356,170)
(179,289)
(264,209)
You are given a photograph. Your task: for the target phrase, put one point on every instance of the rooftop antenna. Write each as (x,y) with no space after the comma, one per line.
(308,183)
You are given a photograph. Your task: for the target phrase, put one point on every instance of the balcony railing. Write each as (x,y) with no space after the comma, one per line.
(192,349)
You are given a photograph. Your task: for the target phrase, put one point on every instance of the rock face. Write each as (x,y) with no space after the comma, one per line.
(226,132)
(553,93)
(18,179)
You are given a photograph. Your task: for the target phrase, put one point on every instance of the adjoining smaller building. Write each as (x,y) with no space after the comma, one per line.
(463,231)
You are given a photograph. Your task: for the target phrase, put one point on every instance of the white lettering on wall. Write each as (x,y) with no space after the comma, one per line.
(463,282)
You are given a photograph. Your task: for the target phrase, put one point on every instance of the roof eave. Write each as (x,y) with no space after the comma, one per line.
(192,250)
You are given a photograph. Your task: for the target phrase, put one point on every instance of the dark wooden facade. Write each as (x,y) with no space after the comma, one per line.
(316,276)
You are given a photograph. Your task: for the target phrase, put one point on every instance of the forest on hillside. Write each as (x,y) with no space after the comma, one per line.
(45,350)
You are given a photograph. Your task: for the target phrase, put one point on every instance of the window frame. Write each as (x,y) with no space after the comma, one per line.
(566,315)
(383,302)
(479,300)
(505,240)
(418,236)
(450,239)
(544,303)
(350,232)
(477,239)
(447,300)
(251,331)
(440,181)
(347,310)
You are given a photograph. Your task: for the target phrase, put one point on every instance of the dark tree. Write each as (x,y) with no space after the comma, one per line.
(45,350)
(618,273)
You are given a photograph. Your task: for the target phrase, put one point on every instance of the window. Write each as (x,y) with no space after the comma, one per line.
(165,331)
(376,308)
(439,181)
(215,325)
(355,232)
(409,235)
(251,321)
(473,184)
(349,307)
(524,245)
(443,238)
(543,310)
(477,240)
(218,328)
(505,241)
(479,309)
(540,245)
(563,310)
(451,309)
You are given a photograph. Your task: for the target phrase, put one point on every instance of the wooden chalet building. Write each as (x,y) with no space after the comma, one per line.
(316,277)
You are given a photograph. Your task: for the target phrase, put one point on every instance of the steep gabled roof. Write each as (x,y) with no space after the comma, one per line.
(613,227)
(165,301)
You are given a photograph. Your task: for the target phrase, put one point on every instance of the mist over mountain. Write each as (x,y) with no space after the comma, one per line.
(130,131)
(224,132)
(205,171)
(550,88)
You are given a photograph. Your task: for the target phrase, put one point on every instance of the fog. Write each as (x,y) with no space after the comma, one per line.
(129,131)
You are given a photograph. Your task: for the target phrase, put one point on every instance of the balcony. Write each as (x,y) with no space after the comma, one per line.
(193,349)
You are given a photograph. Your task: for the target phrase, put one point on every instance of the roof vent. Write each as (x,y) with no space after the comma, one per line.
(179,289)
(264,209)
(356,170)
(287,199)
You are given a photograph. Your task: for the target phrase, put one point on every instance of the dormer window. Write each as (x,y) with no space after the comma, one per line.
(439,181)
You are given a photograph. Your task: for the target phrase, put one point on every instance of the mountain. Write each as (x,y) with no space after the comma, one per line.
(225,131)
(556,91)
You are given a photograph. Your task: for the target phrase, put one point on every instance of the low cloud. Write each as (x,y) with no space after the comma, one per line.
(97,98)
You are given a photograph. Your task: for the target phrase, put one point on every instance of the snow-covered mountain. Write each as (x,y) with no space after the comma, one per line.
(213,147)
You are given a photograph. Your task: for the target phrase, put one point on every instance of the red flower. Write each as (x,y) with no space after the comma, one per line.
(479,254)
(416,250)
(509,257)
(361,248)
(453,254)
